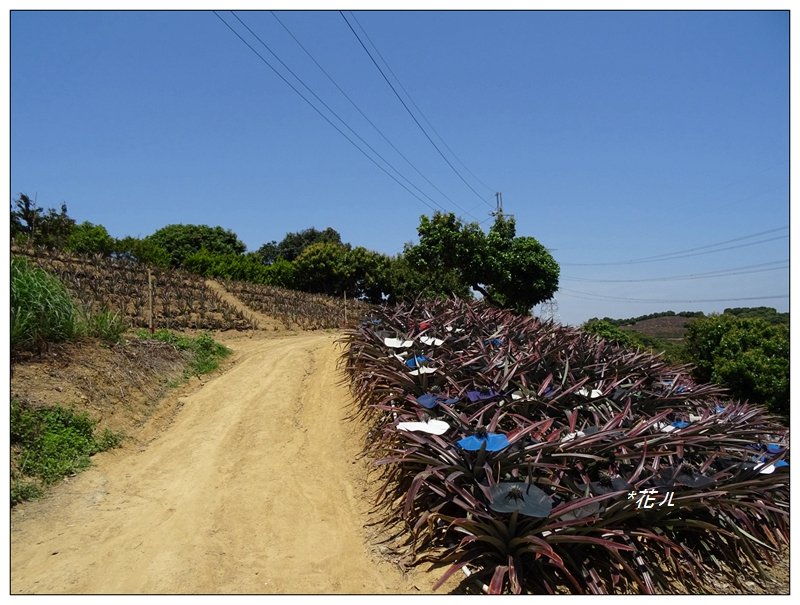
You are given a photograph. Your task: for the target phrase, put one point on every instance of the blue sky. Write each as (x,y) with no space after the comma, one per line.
(613,136)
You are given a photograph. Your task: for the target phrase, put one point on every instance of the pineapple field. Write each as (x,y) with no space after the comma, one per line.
(182,300)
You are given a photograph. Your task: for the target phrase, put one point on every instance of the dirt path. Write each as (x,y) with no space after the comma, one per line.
(265,322)
(252,488)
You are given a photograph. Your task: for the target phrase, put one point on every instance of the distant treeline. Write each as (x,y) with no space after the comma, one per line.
(633,320)
(766,313)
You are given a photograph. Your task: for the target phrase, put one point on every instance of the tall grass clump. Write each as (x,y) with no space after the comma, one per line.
(105,325)
(41,308)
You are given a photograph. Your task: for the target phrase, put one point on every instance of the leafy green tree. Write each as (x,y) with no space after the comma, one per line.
(32,225)
(605,329)
(746,354)
(323,268)
(240,267)
(180,241)
(368,275)
(510,271)
(140,250)
(25,217)
(87,238)
(293,244)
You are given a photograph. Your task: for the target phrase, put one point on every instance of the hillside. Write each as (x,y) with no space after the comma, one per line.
(185,301)
(671,328)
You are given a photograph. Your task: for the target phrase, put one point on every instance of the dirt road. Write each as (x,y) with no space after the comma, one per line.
(251,488)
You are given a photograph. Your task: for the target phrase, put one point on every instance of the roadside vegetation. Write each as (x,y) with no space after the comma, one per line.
(744,349)
(206,353)
(54,441)
(50,443)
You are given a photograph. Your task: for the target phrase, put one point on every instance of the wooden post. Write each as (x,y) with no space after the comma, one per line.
(150,301)
(345,308)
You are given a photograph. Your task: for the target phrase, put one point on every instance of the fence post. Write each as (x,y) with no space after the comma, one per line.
(150,301)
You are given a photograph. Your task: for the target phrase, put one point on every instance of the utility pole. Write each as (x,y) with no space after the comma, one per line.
(499,209)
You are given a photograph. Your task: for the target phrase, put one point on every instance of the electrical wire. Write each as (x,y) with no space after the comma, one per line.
(410,98)
(689,254)
(590,296)
(315,108)
(416,121)
(378,130)
(316,96)
(709,275)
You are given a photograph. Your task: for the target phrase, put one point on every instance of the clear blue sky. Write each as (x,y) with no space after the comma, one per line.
(613,136)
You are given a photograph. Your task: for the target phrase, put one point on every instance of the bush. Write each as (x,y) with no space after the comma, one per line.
(87,238)
(50,443)
(41,308)
(24,490)
(748,355)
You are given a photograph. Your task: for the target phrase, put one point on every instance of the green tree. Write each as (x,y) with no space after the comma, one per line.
(30,224)
(510,271)
(25,217)
(749,355)
(180,241)
(368,275)
(140,250)
(293,244)
(323,268)
(606,329)
(87,238)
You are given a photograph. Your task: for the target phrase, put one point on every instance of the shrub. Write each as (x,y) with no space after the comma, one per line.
(53,442)
(749,355)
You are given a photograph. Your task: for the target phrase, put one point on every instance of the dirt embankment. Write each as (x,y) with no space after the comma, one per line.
(252,486)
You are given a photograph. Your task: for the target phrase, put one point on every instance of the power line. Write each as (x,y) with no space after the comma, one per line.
(728,241)
(394,90)
(410,98)
(316,96)
(711,274)
(680,254)
(353,103)
(590,296)
(315,108)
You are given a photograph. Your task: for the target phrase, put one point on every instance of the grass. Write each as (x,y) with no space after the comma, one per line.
(42,312)
(105,325)
(50,443)
(206,352)
(41,308)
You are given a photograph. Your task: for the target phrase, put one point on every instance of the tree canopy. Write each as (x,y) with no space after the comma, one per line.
(515,272)
(293,244)
(30,224)
(181,241)
(749,355)
(88,238)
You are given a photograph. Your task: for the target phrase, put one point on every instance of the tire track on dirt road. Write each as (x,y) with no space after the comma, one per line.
(252,488)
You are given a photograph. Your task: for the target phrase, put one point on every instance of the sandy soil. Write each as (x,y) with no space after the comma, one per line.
(249,485)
